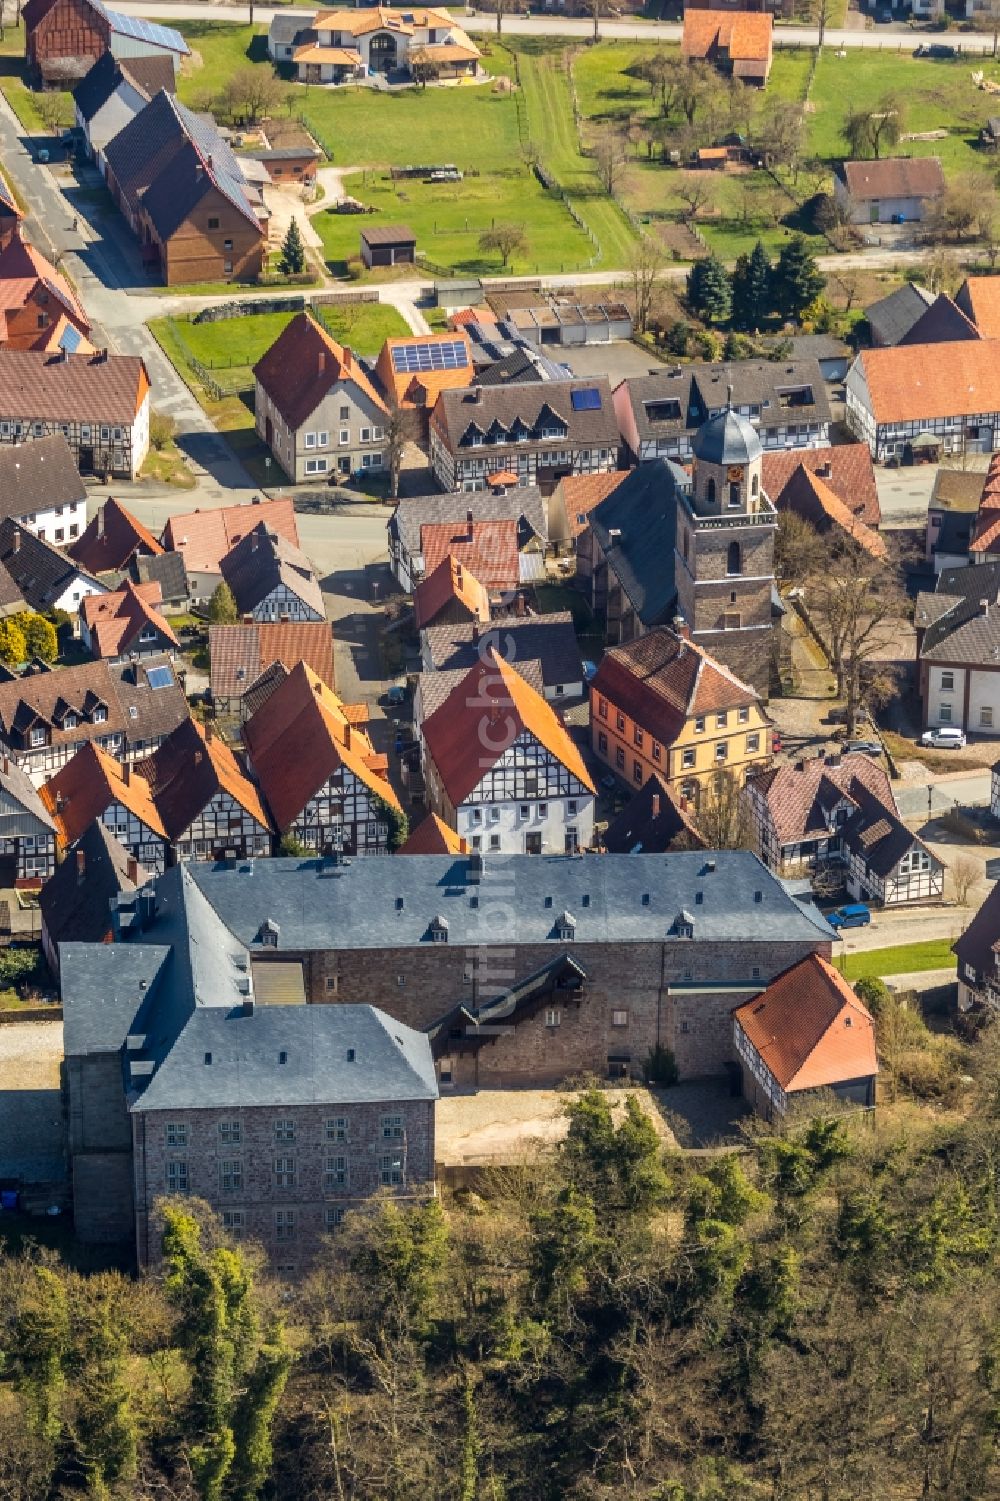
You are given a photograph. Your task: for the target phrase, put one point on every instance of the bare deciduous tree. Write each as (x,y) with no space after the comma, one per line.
(645,266)
(611,155)
(506,240)
(723,816)
(251,93)
(965,873)
(696,190)
(396,438)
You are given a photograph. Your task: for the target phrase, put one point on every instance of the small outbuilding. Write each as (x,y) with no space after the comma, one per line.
(388,245)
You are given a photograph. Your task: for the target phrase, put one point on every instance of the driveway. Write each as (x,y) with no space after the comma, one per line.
(31,1125)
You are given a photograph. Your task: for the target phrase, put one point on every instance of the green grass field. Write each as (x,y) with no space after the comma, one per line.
(903,959)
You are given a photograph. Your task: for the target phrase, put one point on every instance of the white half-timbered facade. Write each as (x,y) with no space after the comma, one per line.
(27,832)
(916,875)
(344,815)
(528,803)
(223,830)
(99,402)
(284,604)
(147,845)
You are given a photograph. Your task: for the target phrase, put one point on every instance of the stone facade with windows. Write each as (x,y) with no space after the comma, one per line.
(958,649)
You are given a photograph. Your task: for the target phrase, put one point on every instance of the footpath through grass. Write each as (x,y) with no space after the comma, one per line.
(553,134)
(902,959)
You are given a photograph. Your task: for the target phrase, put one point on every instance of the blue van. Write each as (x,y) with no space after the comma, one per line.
(855,916)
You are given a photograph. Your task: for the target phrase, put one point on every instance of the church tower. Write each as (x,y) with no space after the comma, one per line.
(724,562)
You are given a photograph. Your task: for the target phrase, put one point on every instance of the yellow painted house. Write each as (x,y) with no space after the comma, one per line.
(662,704)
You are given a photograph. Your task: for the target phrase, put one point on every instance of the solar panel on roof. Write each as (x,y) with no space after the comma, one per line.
(146,31)
(160,677)
(412,359)
(70,340)
(586,399)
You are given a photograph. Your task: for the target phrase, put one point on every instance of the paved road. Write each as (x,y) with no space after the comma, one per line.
(945,793)
(627,30)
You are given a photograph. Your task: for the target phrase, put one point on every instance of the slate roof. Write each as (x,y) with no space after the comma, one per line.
(166,569)
(979,944)
(486,549)
(146,74)
(495,693)
(651,823)
(116,619)
(18,786)
(301,737)
(482,406)
(801,795)
(286,25)
(38,474)
(961,620)
(661,680)
(75,905)
(549,640)
(264,561)
(942,323)
(810,1029)
(204,537)
(905,385)
(522,364)
(46,387)
(727,438)
(851,475)
(891,317)
(111,539)
(701,392)
(188,770)
(156,160)
(389,903)
(41,572)
(303,365)
(893,177)
(635,529)
(415,512)
(449,583)
(147,712)
(879,837)
(240,653)
(432,836)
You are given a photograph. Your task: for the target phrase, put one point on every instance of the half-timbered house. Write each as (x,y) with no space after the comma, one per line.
(99,402)
(203,538)
(207,804)
(241,654)
(27,832)
(77,899)
(113,540)
(46,715)
(326,786)
(94,787)
(10,216)
(500,767)
(271,579)
(125,623)
(38,307)
(45,577)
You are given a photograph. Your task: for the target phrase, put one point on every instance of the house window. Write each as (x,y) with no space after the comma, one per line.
(391,1126)
(721,720)
(333,1217)
(495,841)
(744,716)
(637,737)
(722,751)
(235,1221)
(284,1172)
(602,743)
(231,1175)
(571,809)
(345,436)
(310,440)
(620,758)
(100,715)
(213,222)
(944,713)
(637,772)
(227,268)
(688,759)
(619,1018)
(230,1132)
(284,1130)
(227,244)
(699,725)
(284,1224)
(366,435)
(345,414)
(37,737)
(986,717)
(543,810)
(322,439)
(619,721)
(657,751)
(734,557)
(602,707)
(947,682)
(177,1177)
(316,466)
(553,1017)
(335,1173)
(391,1169)
(177,1134)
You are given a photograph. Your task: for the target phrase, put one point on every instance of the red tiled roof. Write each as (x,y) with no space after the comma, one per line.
(84,789)
(745,35)
(487,549)
(240,653)
(851,475)
(802,794)
(112,539)
(466,315)
(449,582)
(907,385)
(894,177)
(979,296)
(303,366)
(582,492)
(204,537)
(300,737)
(492,697)
(432,836)
(22,267)
(186,772)
(49,388)
(810,1029)
(408,388)
(811,497)
(661,680)
(115,619)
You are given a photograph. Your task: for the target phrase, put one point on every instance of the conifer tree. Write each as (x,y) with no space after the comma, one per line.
(293,252)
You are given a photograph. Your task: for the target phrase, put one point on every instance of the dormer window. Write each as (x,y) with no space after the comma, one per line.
(70,722)
(100,714)
(684,925)
(269,934)
(37,736)
(439,929)
(566,927)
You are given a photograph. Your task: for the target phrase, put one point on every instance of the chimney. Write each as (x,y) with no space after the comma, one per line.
(825,469)
(348,359)
(100,522)
(209,732)
(475,633)
(475,393)
(126,773)
(132,870)
(347,735)
(682,629)
(656,805)
(17,541)
(321,362)
(6,765)
(520,608)
(81,867)
(248,1005)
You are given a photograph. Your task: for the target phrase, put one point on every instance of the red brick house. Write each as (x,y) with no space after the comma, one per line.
(37,303)
(64,38)
(10,216)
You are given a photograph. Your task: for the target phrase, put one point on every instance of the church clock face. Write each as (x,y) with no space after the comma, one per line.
(734,474)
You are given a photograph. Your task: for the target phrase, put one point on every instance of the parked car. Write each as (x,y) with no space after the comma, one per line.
(608,782)
(863,748)
(589,670)
(934,49)
(776,743)
(946,737)
(839,716)
(856,915)
(397,696)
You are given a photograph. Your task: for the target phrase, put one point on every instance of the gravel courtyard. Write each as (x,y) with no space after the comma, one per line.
(31,1126)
